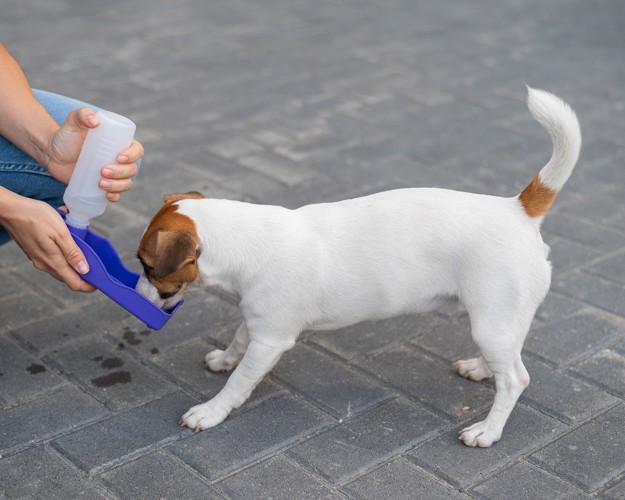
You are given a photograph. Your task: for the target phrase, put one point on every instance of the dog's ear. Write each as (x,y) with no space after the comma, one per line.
(174,250)
(193,195)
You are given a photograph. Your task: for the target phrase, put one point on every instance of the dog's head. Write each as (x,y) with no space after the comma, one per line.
(169,252)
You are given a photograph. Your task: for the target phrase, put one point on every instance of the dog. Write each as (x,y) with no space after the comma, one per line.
(330,265)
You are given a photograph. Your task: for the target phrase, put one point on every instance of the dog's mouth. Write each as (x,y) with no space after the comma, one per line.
(169,309)
(171,299)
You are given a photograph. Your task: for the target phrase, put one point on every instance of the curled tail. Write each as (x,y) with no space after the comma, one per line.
(559,120)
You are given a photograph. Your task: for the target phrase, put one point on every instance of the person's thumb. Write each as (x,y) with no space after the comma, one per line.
(81,118)
(74,256)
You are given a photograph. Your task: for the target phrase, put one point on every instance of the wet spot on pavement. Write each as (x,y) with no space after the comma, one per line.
(119,377)
(36,368)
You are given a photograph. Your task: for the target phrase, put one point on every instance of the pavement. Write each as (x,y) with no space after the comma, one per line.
(292,102)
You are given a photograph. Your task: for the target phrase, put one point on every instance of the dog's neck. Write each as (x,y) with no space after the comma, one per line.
(238,239)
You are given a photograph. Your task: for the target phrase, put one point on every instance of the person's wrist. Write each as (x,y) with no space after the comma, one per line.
(41,141)
(9,203)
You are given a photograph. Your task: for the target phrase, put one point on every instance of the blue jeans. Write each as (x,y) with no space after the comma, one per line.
(22,174)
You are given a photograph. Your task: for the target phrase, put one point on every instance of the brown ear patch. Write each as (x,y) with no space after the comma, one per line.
(191,195)
(169,249)
(537,198)
(174,249)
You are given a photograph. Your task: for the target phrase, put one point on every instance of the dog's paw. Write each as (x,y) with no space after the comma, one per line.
(480,434)
(202,417)
(473,369)
(218,361)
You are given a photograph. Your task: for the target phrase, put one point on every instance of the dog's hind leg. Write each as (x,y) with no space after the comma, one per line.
(223,361)
(500,339)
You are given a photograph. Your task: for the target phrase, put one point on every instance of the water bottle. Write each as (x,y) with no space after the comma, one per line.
(83,198)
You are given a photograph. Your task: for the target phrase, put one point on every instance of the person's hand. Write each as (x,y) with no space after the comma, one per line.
(65,146)
(43,236)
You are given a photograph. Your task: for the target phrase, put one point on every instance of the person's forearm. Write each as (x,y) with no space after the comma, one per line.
(23,120)
(8,201)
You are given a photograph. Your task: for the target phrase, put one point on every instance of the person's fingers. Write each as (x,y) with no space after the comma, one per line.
(55,263)
(132,153)
(118,171)
(115,186)
(113,196)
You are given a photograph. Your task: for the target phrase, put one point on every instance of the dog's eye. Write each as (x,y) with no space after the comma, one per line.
(146,268)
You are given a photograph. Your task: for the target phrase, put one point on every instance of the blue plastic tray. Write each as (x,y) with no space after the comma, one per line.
(109,275)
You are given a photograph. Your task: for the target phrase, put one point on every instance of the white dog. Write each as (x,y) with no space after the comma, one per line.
(330,265)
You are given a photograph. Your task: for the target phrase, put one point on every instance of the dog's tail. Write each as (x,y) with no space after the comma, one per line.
(560,121)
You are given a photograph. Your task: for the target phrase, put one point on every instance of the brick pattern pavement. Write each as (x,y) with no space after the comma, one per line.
(293,102)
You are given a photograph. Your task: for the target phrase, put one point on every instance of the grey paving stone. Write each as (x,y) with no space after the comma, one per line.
(226,179)
(556,307)
(23,376)
(280,168)
(105,443)
(186,364)
(450,340)
(52,290)
(46,417)
(593,290)
(366,440)
(431,382)
(39,473)
(234,148)
(12,257)
(605,207)
(54,333)
(12,285)
(202,315)
(615,492)
(157,475)
(399,479)
(611,269)
(564,342)
(276,478)
(562,396)
(247,437)
(109,374)
(592,235)
(463,466)
(320,189)
(606,369)
(522,481)
(271,138)
(370,337)
(25,308)
(149,200)
(566,255)
(339,390)
(591,455)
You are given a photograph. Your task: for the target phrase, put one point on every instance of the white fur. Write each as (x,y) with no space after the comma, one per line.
(561,123)
(330,265)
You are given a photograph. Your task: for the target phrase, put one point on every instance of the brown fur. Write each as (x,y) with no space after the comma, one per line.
(537,198)
(168,249)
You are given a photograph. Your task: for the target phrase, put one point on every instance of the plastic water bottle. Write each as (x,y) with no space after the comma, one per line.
(83,198)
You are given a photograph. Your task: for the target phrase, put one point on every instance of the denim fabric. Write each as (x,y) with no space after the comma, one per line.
(22,174)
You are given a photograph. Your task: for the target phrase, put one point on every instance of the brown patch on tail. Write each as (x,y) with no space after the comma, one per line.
(537,198)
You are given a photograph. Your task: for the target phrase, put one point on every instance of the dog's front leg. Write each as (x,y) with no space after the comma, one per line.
(258,360)
(224,361)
